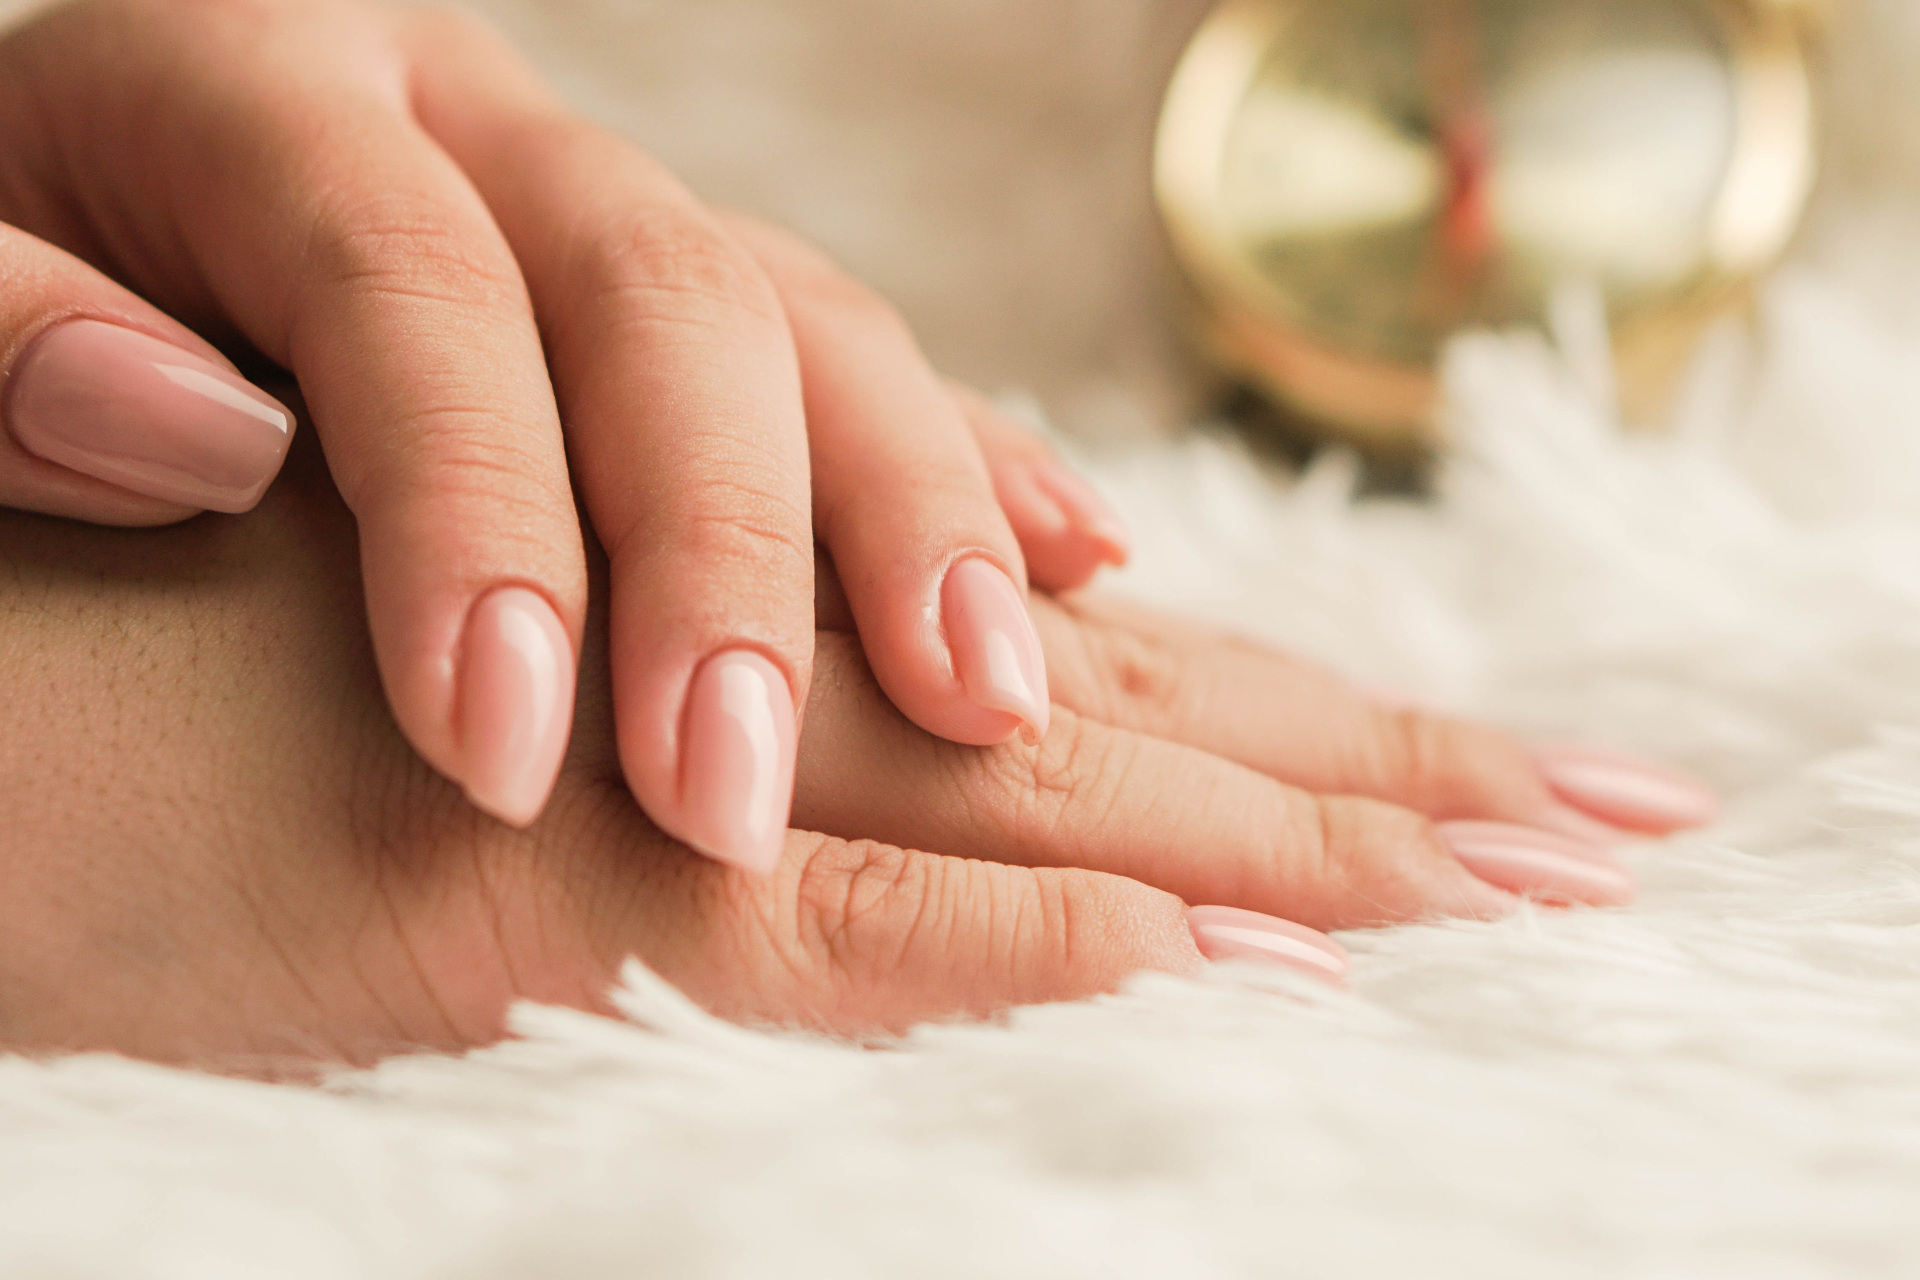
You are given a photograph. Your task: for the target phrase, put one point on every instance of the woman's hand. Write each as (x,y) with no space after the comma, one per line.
(1224,772)
(389,204)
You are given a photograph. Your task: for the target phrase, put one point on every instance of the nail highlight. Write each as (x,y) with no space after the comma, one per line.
(736,762)
(127,408)
(1085,510)
(1626,790)
(516,703)
(996,651)
(1538,864)
(1229,933)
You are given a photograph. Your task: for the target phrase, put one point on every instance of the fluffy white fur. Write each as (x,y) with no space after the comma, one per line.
(1722,1080)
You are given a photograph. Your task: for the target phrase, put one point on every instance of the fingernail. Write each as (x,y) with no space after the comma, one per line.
(1229,933)
(1626,790)
(996,651)
(1086,511)
(516,703)
(736,763)
(132,410)
(1538,864)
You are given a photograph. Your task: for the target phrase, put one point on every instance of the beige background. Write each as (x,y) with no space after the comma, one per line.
(984,162)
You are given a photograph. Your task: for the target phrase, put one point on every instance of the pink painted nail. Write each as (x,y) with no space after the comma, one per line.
(132,410)
(1085,510)
(736,764)
(1229,933)
(996,651)
(516,703)
(1539,864)
(1625,790)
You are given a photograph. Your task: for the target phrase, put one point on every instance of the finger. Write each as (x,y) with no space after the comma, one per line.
(1166,814)
(1309,727)
(904,504)
(113,412)
(1066,529)
(348,247)
(856,937)
(681,392)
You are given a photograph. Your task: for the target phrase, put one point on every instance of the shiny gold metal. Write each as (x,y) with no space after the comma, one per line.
(1346,183)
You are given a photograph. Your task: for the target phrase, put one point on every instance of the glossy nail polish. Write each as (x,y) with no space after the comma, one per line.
(1229,933)
(1625,790)
(1538,864)
(140,413)
(1085,510)
(996,651)
(736,761)
(516,703)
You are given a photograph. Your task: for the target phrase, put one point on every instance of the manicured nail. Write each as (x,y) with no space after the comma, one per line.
(132,410)
(516,703)
(1085,510)
(1626,790)
(736,762)
(996,651)
(1228,933)
(1538,864)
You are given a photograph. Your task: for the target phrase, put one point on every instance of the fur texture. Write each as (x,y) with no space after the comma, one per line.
(1722,1080)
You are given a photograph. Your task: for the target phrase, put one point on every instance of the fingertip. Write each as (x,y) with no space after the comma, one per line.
(516,687)
(1232,933)
(994,646)
(1085,510)
(1542,865)
(1624,790)
(737,762)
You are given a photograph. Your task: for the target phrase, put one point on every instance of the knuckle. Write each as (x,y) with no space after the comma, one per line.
(861,905)
(1375,860)
(1439,765)
(403,247)
(727,520)
(459,456)
(671,267)
(1069,782)
(1143,675)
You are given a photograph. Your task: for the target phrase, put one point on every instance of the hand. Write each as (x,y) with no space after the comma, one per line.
(389,204)
(220,850)
(1224,772)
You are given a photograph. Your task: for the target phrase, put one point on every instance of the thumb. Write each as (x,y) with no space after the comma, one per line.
(113,412)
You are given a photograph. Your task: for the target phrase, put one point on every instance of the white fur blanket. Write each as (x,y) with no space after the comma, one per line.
(1723,1080)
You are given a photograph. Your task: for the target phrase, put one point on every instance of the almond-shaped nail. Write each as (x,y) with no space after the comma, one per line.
(1538,864)
(1230,933)
(996,651)
(1625,790)
(127,408)
(516,703)
(1086,511)
(736,761)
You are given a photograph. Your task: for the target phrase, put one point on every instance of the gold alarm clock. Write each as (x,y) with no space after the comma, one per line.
(1347,183)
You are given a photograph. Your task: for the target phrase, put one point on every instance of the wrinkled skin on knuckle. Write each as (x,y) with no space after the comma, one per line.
(1047,799)
(1449,768)
(402,248)
(1147,671)
(1379,864)
(671,268)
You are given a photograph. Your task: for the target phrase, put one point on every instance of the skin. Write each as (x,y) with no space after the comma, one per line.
(389,203)
(221,849)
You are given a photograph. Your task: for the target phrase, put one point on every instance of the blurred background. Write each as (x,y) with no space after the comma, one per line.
(985,163)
